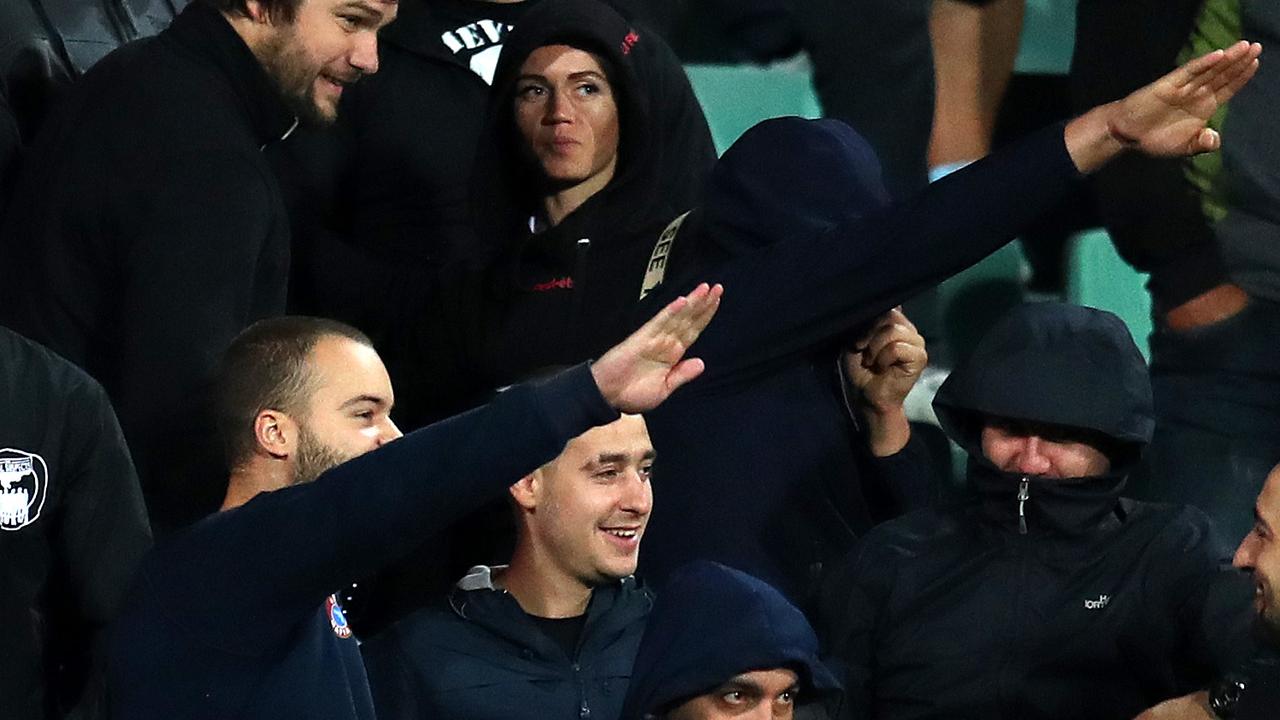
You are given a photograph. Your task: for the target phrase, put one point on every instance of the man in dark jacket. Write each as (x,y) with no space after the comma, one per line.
(72,531)
(1047,595)
(554,633)
(152,229)
(234,617)
(721,644)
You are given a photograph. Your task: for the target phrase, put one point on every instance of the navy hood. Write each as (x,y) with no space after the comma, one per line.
(1051,363)
(711,623)
(777,181)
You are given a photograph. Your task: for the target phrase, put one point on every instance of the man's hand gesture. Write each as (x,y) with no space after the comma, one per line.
(640,372)
(1167,118)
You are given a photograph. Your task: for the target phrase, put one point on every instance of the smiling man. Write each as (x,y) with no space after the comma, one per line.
(150,227)
(1046,594)
(554,633)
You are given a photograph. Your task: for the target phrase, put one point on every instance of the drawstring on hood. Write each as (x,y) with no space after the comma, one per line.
(1062,365)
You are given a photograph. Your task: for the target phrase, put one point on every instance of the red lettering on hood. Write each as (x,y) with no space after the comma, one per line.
(564,283)
(630,41)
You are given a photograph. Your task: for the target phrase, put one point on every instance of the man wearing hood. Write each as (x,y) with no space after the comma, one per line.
(553,633)
(1047,594)
(723,644)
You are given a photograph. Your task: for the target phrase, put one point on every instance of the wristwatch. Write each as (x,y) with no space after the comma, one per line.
(1225,694)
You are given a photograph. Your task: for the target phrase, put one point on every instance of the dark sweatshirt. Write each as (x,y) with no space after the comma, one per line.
(1039,598)
(72,531)
(152,231)
(229,619)
(763,467)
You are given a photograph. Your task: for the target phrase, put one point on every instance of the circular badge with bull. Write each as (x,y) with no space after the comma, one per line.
(24,485)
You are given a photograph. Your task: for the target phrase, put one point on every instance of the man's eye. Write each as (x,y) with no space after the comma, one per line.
(734,697)
(349,22)
(787,697)
(608,474)
(588,88)
(530,92)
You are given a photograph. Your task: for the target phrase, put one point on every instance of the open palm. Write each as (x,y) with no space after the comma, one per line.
(1168,117)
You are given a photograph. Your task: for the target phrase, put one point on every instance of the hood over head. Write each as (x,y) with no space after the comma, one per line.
(1052,363)
(789,176)
(664,147)
(711,623)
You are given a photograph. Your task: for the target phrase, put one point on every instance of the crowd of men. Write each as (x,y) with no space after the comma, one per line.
(638,448)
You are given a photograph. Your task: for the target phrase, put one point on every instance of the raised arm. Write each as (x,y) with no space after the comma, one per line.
(284,551)
(805,291)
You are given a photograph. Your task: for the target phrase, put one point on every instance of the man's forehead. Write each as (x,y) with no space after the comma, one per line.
(628,434)
(1268,505)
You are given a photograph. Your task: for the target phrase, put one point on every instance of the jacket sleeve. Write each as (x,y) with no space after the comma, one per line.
(10,145)
(105,530)
(242,579)
(792,296)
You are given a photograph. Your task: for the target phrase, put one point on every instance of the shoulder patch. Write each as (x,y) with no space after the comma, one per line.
(337,619)
(24,485)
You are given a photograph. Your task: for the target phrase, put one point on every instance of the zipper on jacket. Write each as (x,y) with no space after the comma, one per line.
(1024,494)
(579,286)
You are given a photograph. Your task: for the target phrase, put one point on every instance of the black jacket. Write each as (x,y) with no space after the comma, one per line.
(10,147)
(1040,598)
(763,467)
(715,622)
(72,531)
(229,619)
(479,656)
(150,233)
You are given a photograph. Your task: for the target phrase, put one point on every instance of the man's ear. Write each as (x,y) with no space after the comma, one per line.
(526,490)
(257,12)
(275,433)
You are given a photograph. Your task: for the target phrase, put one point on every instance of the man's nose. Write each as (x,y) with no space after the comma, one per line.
(559,108)
(364,55)
(1245,554)
(1031,457)
(638,498)
(389,432)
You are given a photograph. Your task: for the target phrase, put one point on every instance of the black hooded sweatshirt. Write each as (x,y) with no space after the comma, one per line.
(713,623)
(1039,598)
(563,294)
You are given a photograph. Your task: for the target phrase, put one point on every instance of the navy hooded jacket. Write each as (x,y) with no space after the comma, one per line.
(763,466)
(1039,598)
(711,624)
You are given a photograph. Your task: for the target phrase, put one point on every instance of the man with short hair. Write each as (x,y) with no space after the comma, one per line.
(1046,594)
(151,229)
(554,633)
(234,617)
(723,644)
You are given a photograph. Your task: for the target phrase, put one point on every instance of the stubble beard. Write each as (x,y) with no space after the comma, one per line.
(294,77)
(314,457)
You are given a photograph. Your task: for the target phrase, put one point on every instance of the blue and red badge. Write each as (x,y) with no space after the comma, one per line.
(337,620)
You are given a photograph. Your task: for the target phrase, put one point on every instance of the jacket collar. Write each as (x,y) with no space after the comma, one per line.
(204,30)
(612,609)
(1027,505)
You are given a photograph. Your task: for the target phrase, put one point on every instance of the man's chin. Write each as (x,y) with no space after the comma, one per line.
(1267,630)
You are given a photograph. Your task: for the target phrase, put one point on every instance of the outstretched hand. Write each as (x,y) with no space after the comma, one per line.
(886,363)
(1167,118)
(640,372)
